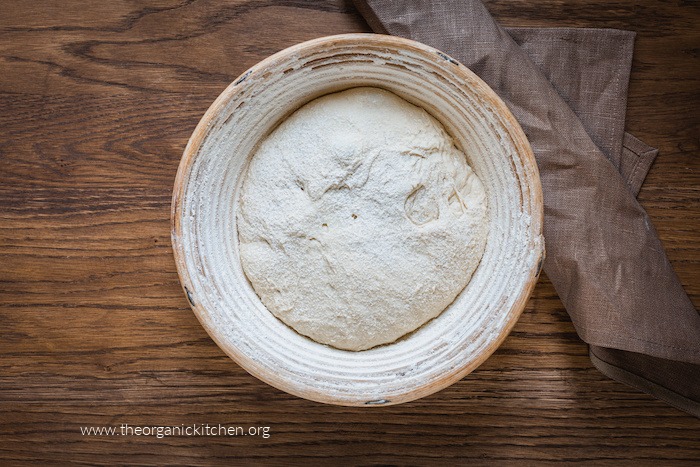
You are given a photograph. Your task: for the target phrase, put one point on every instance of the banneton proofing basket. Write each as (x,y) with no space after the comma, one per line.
(205,239)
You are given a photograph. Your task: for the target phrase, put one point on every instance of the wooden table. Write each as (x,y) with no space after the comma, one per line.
(97,101)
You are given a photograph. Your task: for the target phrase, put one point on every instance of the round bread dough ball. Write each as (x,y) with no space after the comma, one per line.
(359,220)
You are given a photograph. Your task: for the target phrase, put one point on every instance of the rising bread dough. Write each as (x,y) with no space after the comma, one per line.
(359,219)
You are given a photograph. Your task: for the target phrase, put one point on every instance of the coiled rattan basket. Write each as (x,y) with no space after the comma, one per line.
(205,242)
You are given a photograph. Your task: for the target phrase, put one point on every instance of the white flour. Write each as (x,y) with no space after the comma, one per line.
(359,219)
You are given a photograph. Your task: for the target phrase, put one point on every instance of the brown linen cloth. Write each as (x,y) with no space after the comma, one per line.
(567,88)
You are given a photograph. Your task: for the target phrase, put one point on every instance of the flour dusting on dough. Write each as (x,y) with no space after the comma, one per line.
(359,219)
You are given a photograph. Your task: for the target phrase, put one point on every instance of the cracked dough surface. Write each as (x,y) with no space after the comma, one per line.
(359,220)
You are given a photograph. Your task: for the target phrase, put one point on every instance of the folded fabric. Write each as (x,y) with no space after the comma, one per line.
(567,88)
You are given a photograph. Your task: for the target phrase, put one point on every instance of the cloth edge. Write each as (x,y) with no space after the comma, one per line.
(641,156)
(655,390)
(370,16)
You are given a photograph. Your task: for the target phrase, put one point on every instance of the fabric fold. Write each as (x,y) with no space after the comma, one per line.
(677,383)
(567,87)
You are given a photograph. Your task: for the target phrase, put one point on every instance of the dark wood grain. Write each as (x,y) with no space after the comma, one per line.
(97,102)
